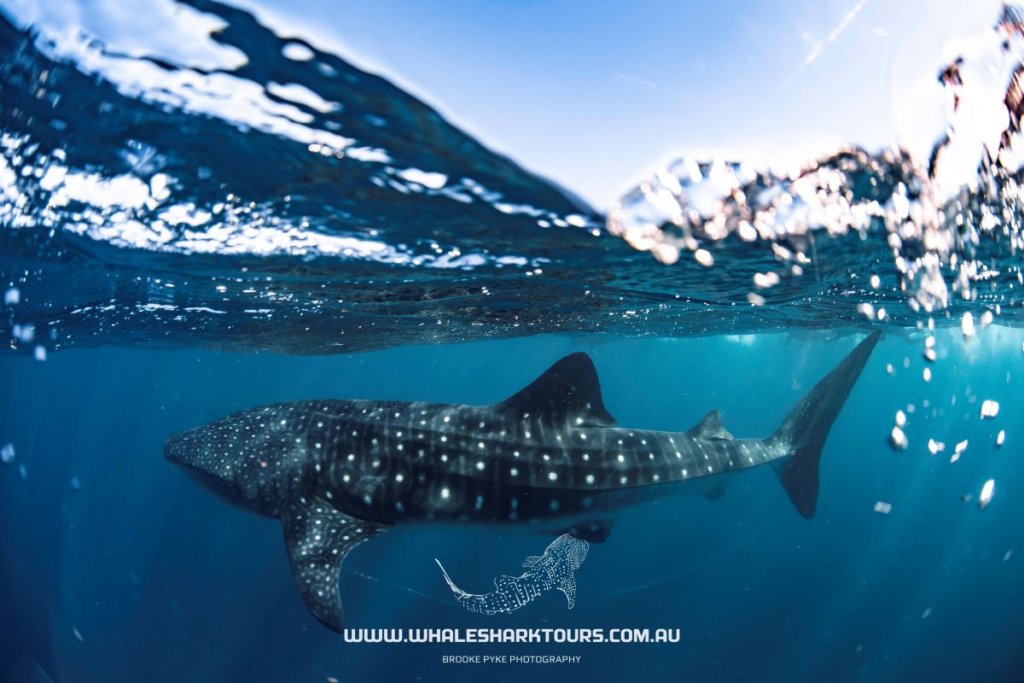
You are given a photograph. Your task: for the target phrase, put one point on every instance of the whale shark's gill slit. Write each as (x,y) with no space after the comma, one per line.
(318,537)
(554,570)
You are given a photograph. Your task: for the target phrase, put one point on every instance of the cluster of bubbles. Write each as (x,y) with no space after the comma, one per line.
(940,238)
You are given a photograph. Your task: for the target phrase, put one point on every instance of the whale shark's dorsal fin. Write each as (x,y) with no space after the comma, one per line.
(318,537)
(710,427)
(568,391)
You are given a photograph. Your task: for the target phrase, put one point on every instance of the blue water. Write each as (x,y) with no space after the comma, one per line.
(165,582)
(231,218)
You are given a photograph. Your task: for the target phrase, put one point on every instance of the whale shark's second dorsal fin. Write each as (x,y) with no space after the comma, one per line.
(318,538)
(710,427)
(568,391)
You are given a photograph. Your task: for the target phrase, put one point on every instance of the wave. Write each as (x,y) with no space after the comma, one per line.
(201,180)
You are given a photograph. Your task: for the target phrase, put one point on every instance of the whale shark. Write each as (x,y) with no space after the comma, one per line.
(554,570)
(338,472)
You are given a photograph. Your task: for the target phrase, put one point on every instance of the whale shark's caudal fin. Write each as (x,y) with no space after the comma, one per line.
(807,426)
(459,593)
(318,538)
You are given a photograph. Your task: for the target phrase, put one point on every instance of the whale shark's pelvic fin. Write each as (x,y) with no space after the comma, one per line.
(710,427)
(806,427)
(568,392)
(567,584)
(717,491)
(318,537)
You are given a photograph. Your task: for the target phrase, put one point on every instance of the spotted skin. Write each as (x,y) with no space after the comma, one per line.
(318,538)
(554,570)
(337,472)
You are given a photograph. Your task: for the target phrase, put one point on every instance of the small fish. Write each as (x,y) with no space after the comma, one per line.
(555,569)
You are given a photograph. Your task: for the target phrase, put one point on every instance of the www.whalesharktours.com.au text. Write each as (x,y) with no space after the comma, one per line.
(512,635)
(631,636)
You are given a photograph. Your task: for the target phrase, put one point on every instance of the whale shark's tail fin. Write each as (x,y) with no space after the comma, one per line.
(459,593)
(807,426)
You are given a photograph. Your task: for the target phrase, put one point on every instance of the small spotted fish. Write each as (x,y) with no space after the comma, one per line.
(554,570)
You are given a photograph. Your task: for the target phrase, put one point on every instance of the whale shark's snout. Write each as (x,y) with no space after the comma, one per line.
(204,449)
(207,460)
(180,447)
(252,459)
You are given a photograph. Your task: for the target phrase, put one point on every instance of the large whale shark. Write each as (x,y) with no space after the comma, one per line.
(338,472)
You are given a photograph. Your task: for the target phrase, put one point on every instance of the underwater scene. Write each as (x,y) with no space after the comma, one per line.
(707,366)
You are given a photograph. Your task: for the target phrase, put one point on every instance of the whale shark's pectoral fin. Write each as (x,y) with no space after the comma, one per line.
(567,584)
(531,560)
(710,427)
(318,537)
